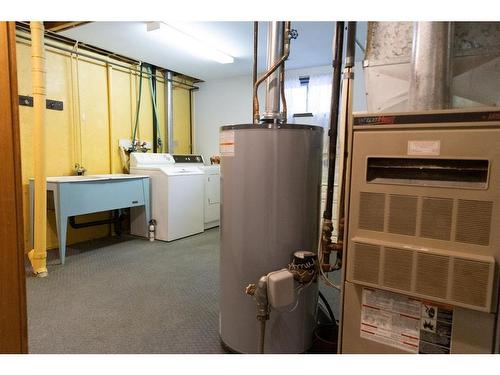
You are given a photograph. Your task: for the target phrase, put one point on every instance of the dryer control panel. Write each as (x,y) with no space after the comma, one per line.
(141,159)
(184,159)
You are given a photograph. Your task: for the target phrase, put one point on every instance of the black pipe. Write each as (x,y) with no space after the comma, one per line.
(327,305)
(334,116)
(351,45)
(117,218)
(153,98)
(349,64)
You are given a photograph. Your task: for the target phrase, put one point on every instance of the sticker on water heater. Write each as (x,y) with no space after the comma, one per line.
(226,143)
(424,148)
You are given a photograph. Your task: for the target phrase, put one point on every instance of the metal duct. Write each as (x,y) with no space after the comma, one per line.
(430,72)
(275,34)
(475,65)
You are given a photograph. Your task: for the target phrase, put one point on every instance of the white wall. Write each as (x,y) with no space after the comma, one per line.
(229,101)
(217,103)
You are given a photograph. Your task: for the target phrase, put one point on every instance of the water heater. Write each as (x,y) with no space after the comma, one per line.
(270,197)
(423,249)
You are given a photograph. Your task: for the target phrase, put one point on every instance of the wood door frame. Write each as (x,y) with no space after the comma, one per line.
(13,314)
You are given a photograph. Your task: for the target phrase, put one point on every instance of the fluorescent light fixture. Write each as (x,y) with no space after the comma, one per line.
(189,43)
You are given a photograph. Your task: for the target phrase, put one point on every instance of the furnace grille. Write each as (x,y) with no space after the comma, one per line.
(473,217)
(436,218)
(432,274)
(473,222)
(371,211)
(366,263)
(470,282)
(397,268)
(403,214)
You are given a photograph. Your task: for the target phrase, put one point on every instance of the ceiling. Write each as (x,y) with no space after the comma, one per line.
(313,47)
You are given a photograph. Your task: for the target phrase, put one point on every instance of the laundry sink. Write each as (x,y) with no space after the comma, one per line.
(93,177)
(75,178)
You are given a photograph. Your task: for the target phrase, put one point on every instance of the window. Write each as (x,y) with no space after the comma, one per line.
(312,94)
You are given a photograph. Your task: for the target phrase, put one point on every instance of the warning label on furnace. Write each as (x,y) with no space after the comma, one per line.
(226,143)
(390,319)
(435,329)
(405,323)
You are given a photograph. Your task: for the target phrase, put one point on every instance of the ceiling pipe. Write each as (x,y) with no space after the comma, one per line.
(430,72)
(108,60)
(38,255)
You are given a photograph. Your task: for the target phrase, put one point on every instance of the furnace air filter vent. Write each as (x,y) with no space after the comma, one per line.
(436,274)
(472,218)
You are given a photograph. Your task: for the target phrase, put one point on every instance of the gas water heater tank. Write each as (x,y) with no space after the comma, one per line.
(270,202)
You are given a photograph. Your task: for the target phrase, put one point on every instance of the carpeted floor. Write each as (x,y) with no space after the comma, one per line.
(128,296)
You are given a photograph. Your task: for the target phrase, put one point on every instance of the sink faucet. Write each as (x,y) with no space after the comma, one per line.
(80,171)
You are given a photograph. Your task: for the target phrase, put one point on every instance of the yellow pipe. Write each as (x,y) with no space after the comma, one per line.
(38,255)
(109,76)
(109,89)
(74,111)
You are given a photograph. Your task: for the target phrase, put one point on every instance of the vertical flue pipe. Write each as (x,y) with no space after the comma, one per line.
(350,53)
(38,255)
(169,95)
(275,35)
(430,74)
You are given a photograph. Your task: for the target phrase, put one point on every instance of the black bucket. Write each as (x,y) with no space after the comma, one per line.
(325,339)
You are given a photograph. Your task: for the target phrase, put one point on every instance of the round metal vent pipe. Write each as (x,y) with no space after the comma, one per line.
(430,73)
(275,35)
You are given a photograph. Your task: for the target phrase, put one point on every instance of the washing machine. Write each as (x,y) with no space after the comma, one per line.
(177,196)
(211,189)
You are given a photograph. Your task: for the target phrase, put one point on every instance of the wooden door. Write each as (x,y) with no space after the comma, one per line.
(13,321)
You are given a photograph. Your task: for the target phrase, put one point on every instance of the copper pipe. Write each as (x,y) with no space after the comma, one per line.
(255,52)
(282,91)
(282,80)
(283,58)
